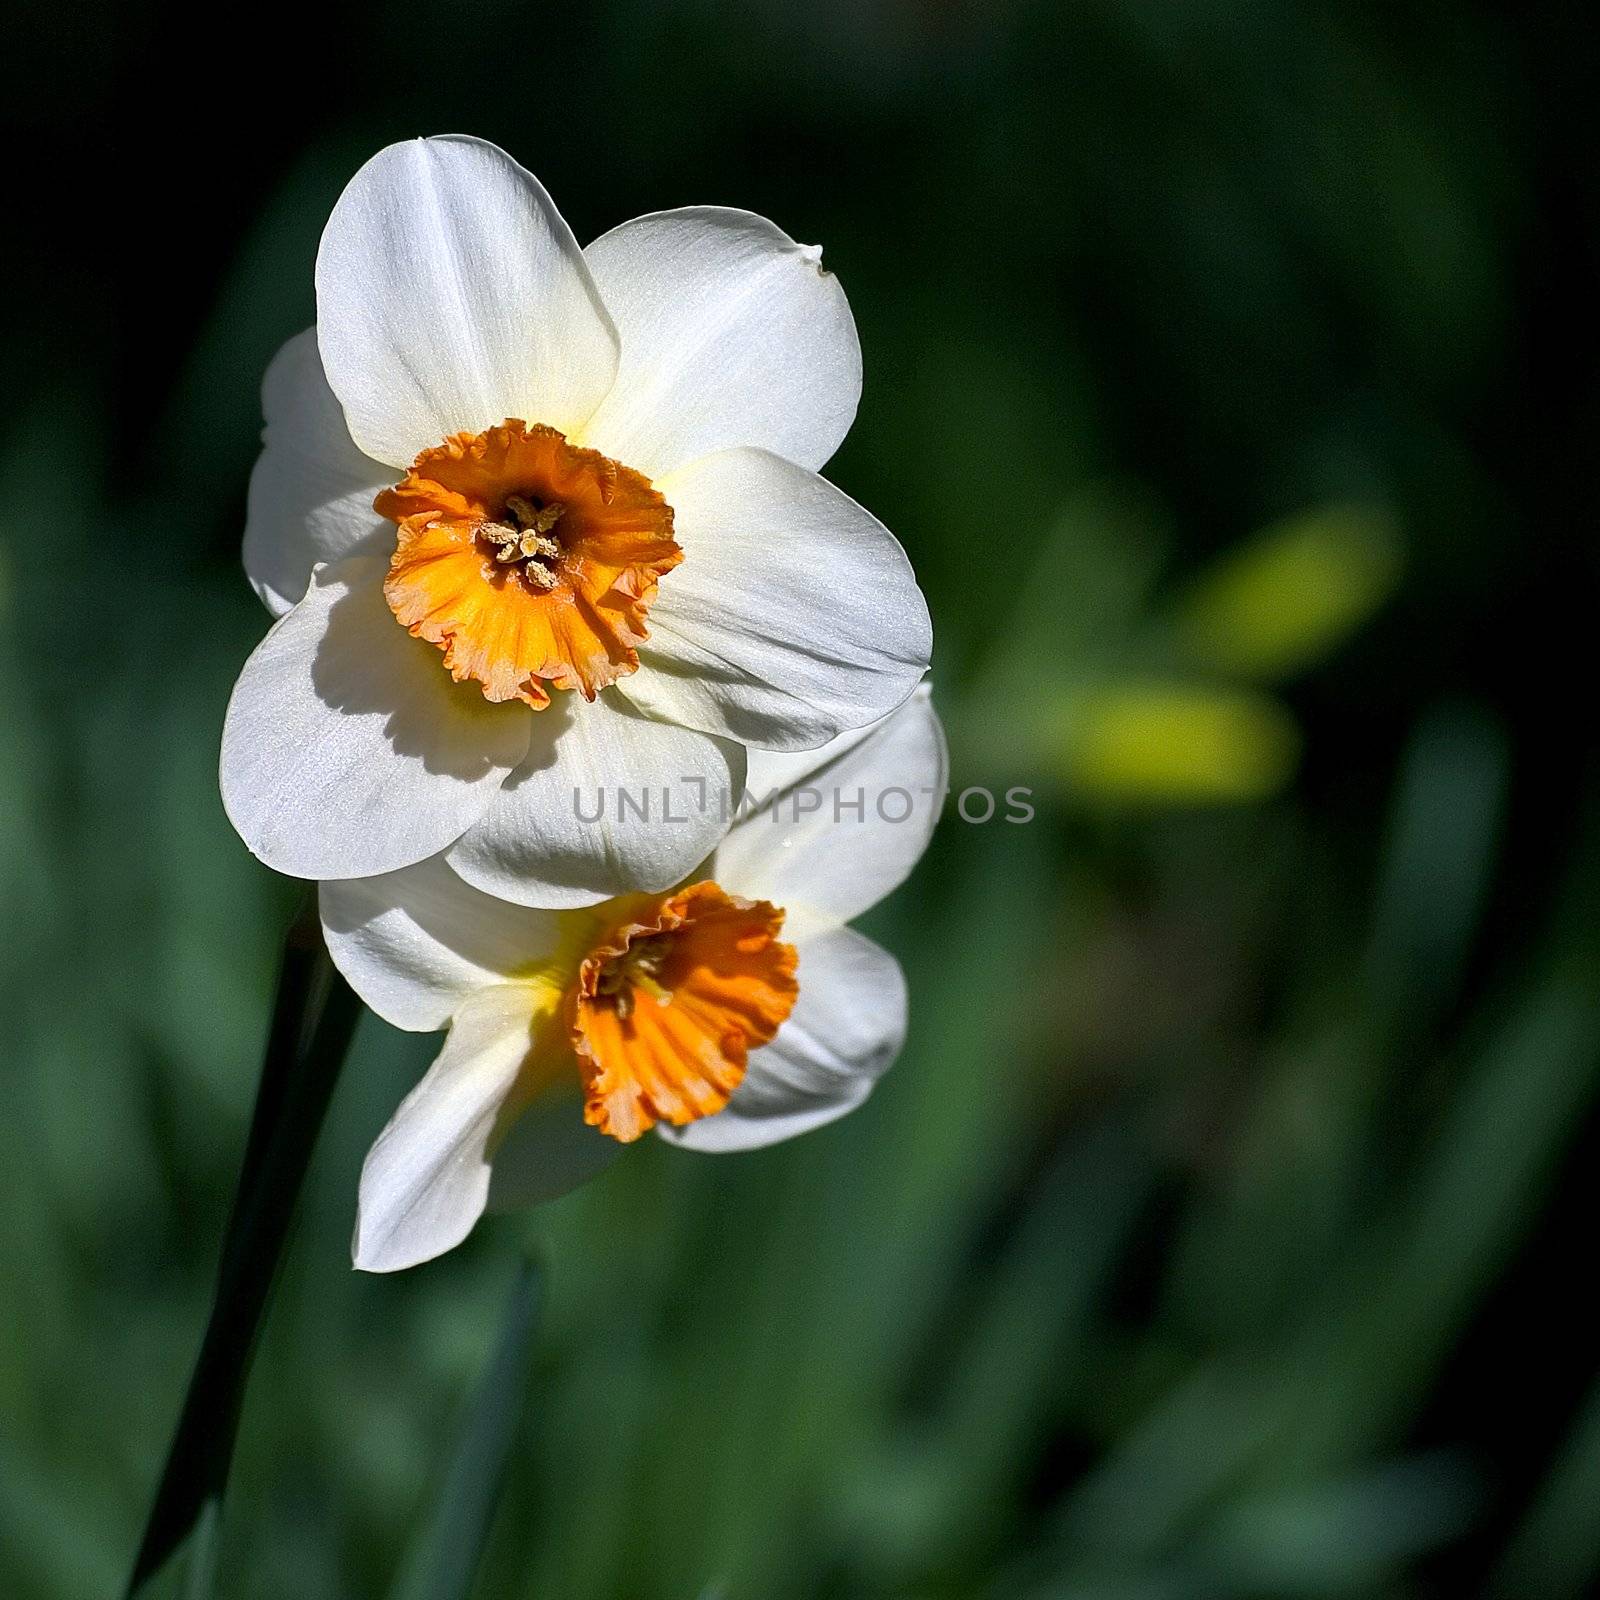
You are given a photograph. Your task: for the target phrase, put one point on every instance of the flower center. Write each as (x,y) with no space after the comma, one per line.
(668,1005)
(638,967)
(527,538)
(529,562)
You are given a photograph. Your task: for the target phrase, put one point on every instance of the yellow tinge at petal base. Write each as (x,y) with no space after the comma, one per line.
(652,1004)
(529,562)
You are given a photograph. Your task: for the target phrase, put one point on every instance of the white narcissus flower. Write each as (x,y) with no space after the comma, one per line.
(542,526)
(730,1012)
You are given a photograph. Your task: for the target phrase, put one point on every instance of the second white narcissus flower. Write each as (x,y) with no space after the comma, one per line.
(733,1011)
(544,533)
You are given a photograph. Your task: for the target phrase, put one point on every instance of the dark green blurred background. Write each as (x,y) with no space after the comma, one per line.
(1227,1227)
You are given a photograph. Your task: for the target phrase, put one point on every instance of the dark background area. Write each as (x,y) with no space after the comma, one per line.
(1225,1229)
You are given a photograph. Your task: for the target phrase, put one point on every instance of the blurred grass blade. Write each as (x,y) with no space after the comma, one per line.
(1029,1353)
(314,1015)
(1292,595)
(1097,561)
(200,1577)
(442,1562)
(1369,1356)
(1164,742)
(1556,1551)
(1351,1534)
(1443,835)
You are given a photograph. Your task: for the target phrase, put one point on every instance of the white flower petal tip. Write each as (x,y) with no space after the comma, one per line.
(426,1179)
(830,832)
(795,614)
(346,751)
(732,334)
(844,1033)
(451,295)
(606,802)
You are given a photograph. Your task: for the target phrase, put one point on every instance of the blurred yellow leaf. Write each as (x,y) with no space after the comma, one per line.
(1177,743)
(1292,594)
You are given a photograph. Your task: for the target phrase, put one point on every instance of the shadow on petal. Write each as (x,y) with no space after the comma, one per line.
(367,663)
(549,727)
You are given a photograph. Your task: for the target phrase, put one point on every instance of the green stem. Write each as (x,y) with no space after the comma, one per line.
(314,1015)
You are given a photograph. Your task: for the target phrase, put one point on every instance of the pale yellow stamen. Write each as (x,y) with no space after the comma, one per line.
(537,519)
(636,968)
(527,540)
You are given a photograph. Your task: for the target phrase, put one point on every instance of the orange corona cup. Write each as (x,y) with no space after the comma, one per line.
(528,561)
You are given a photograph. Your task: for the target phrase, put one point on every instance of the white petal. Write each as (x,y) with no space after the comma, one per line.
(846,1028)
(451,295)
(549,1151)
(836,829)
(426,1179)
(732,334)
(607,801)
(794,615)
(311,491)
(415,943)
(347,749)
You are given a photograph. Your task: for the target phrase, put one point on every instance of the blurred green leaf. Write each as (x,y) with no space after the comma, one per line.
(447,1551)
(932,1500)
